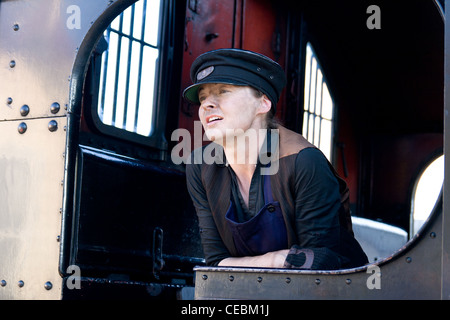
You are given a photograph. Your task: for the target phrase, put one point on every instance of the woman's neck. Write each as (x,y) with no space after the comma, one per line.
(242,151)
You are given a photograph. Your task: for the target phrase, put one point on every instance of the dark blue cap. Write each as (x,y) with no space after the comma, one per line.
(237,67)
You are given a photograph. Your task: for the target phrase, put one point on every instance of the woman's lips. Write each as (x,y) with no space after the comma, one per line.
(213,119)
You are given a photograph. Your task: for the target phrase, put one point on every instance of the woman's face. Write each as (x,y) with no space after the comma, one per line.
(229,110)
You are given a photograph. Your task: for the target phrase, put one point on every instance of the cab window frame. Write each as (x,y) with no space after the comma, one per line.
(315,135)
(163,78)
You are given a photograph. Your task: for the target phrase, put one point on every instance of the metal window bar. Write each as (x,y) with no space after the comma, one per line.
(306,107)
(115,78)
(127,82)
(141,54)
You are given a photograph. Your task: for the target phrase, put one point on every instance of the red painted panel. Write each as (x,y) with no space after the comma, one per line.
(208,26)
(246,24)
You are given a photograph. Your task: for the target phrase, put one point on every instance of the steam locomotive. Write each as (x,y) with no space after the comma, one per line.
(92,204)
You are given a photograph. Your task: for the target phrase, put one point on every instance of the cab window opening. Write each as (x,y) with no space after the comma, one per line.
(129,69)
(426,192)
(318,105)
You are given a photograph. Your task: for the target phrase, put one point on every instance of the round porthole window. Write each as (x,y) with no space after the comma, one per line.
(426,193)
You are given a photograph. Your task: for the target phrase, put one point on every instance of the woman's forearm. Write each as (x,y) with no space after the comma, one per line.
(273,259)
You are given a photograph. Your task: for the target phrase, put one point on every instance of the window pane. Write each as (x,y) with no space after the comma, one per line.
(318,106)
(138,15)
(126,21)
(325,138)
(426,193)
(305,124)
(311,128)
(307,77)
(128,73)
(327,103)
(121,83)
(108,94)
(319,81)
(152,22)
(147,89)
(116,23)
(312,95)
(133,87)
(317,131)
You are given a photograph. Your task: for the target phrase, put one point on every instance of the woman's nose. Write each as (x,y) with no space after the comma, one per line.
(208,103)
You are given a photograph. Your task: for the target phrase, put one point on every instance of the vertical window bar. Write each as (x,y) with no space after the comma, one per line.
(309,96)
(116,78)
(105,74)
(320,113)
(315,103)
(127,83)
(141,54)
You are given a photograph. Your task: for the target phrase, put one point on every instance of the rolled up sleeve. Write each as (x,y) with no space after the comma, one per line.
(317,201)
(214,249)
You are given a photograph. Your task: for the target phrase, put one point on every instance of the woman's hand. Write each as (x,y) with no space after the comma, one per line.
(274,259)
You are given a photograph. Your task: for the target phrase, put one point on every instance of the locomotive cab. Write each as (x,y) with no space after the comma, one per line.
(104,211)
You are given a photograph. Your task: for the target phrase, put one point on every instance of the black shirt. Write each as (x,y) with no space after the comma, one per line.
(304,162)
(306,187)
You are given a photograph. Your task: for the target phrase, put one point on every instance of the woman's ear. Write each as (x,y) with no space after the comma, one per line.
(265,105)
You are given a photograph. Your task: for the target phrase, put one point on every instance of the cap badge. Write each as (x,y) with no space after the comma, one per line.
(204,73)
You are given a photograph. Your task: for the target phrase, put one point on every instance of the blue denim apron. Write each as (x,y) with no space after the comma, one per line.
(264,232)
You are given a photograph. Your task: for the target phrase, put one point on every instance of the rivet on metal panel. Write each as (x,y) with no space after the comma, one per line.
(16,27)
(48,285)
(317,281)
(204,277)
(58,238)
(288,280)
(52,126)
(24,110)
(12,64)
(408,259)
(20,283)
(54,108)
(22,128)
(3,283)
(348,281)
(259,279)
(432,235)
(9,100)
(231,278)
